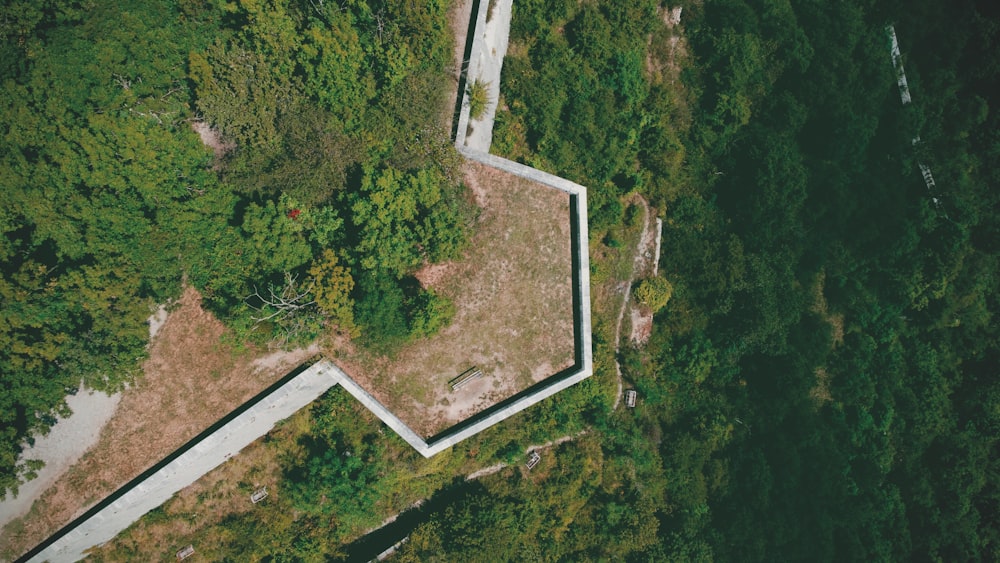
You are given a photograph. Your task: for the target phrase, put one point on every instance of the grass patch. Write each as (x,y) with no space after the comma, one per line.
(479,98)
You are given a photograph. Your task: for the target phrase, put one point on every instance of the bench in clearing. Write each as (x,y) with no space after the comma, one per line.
(630,397)
(258,495)
(533,459)
(465,377)
(185,553)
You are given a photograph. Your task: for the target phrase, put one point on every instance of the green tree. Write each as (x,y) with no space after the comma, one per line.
(654,292)
(332,290)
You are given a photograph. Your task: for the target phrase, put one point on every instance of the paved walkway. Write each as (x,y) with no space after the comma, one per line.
(485,64)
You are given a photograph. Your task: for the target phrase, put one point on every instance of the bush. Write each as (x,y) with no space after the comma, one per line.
(430,313)
(654,293)
(479,98)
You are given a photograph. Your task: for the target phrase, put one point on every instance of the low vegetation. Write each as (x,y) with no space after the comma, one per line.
(332,189)
(770,133)
(654,292)
(479,99)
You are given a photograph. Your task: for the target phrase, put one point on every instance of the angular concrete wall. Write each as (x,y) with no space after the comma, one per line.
(257,417)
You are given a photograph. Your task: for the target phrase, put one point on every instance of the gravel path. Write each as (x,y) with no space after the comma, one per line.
(65,443)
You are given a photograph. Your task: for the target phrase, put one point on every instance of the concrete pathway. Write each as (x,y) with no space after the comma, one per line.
(485,64)
(116,513)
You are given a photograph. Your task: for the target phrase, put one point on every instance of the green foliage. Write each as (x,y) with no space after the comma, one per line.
(110,199)
(98,157)
(332,289)
(478,98)
(429,313)
(807,371)
(654,292)
(276,242)
(402,220)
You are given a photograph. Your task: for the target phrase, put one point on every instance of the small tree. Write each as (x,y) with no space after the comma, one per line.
(332,289)
(654,292)
(430,313)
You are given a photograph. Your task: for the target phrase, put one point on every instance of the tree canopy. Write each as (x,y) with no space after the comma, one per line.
(111,199)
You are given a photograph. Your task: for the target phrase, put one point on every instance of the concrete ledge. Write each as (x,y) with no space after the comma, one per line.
(185,466)
(379,410)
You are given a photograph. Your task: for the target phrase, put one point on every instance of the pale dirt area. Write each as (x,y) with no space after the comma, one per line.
(66,441)
(514,319)
(156,321)
(663,58)
(210,138)
(641,321)
(820,392)
(646,263)
(193,377)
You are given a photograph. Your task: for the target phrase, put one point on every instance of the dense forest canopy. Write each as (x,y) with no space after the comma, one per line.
(821,383)
(330,187)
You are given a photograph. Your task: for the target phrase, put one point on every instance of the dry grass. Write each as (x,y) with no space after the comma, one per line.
(192,379)
(195,513)
(514,319)
(820,393)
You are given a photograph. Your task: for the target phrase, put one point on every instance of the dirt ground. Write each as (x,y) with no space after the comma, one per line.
(192,379)
(210,138)
(514,319)
(646,259)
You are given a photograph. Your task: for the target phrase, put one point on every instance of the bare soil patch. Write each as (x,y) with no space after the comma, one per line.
(667,48)
(642,325)
(514,318)
(645,265)
(210,138)
(193,378)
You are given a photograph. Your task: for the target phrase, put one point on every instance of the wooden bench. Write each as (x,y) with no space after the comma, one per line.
(466,376)
(258,495)
(533,459)
(185,553)
(630,397)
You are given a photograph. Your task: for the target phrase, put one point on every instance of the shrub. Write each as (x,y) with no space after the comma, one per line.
(479,98)
(430,313)
(654,292)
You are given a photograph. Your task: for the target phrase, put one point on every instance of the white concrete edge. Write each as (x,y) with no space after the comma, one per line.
(450,440)
(192,464)
(524,171)
(379,410)
(473,69)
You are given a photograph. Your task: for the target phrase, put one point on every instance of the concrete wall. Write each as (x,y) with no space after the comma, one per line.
(489,47)
(116,513)
(256,418)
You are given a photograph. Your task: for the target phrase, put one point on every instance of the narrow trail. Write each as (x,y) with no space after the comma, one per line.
(638,264)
